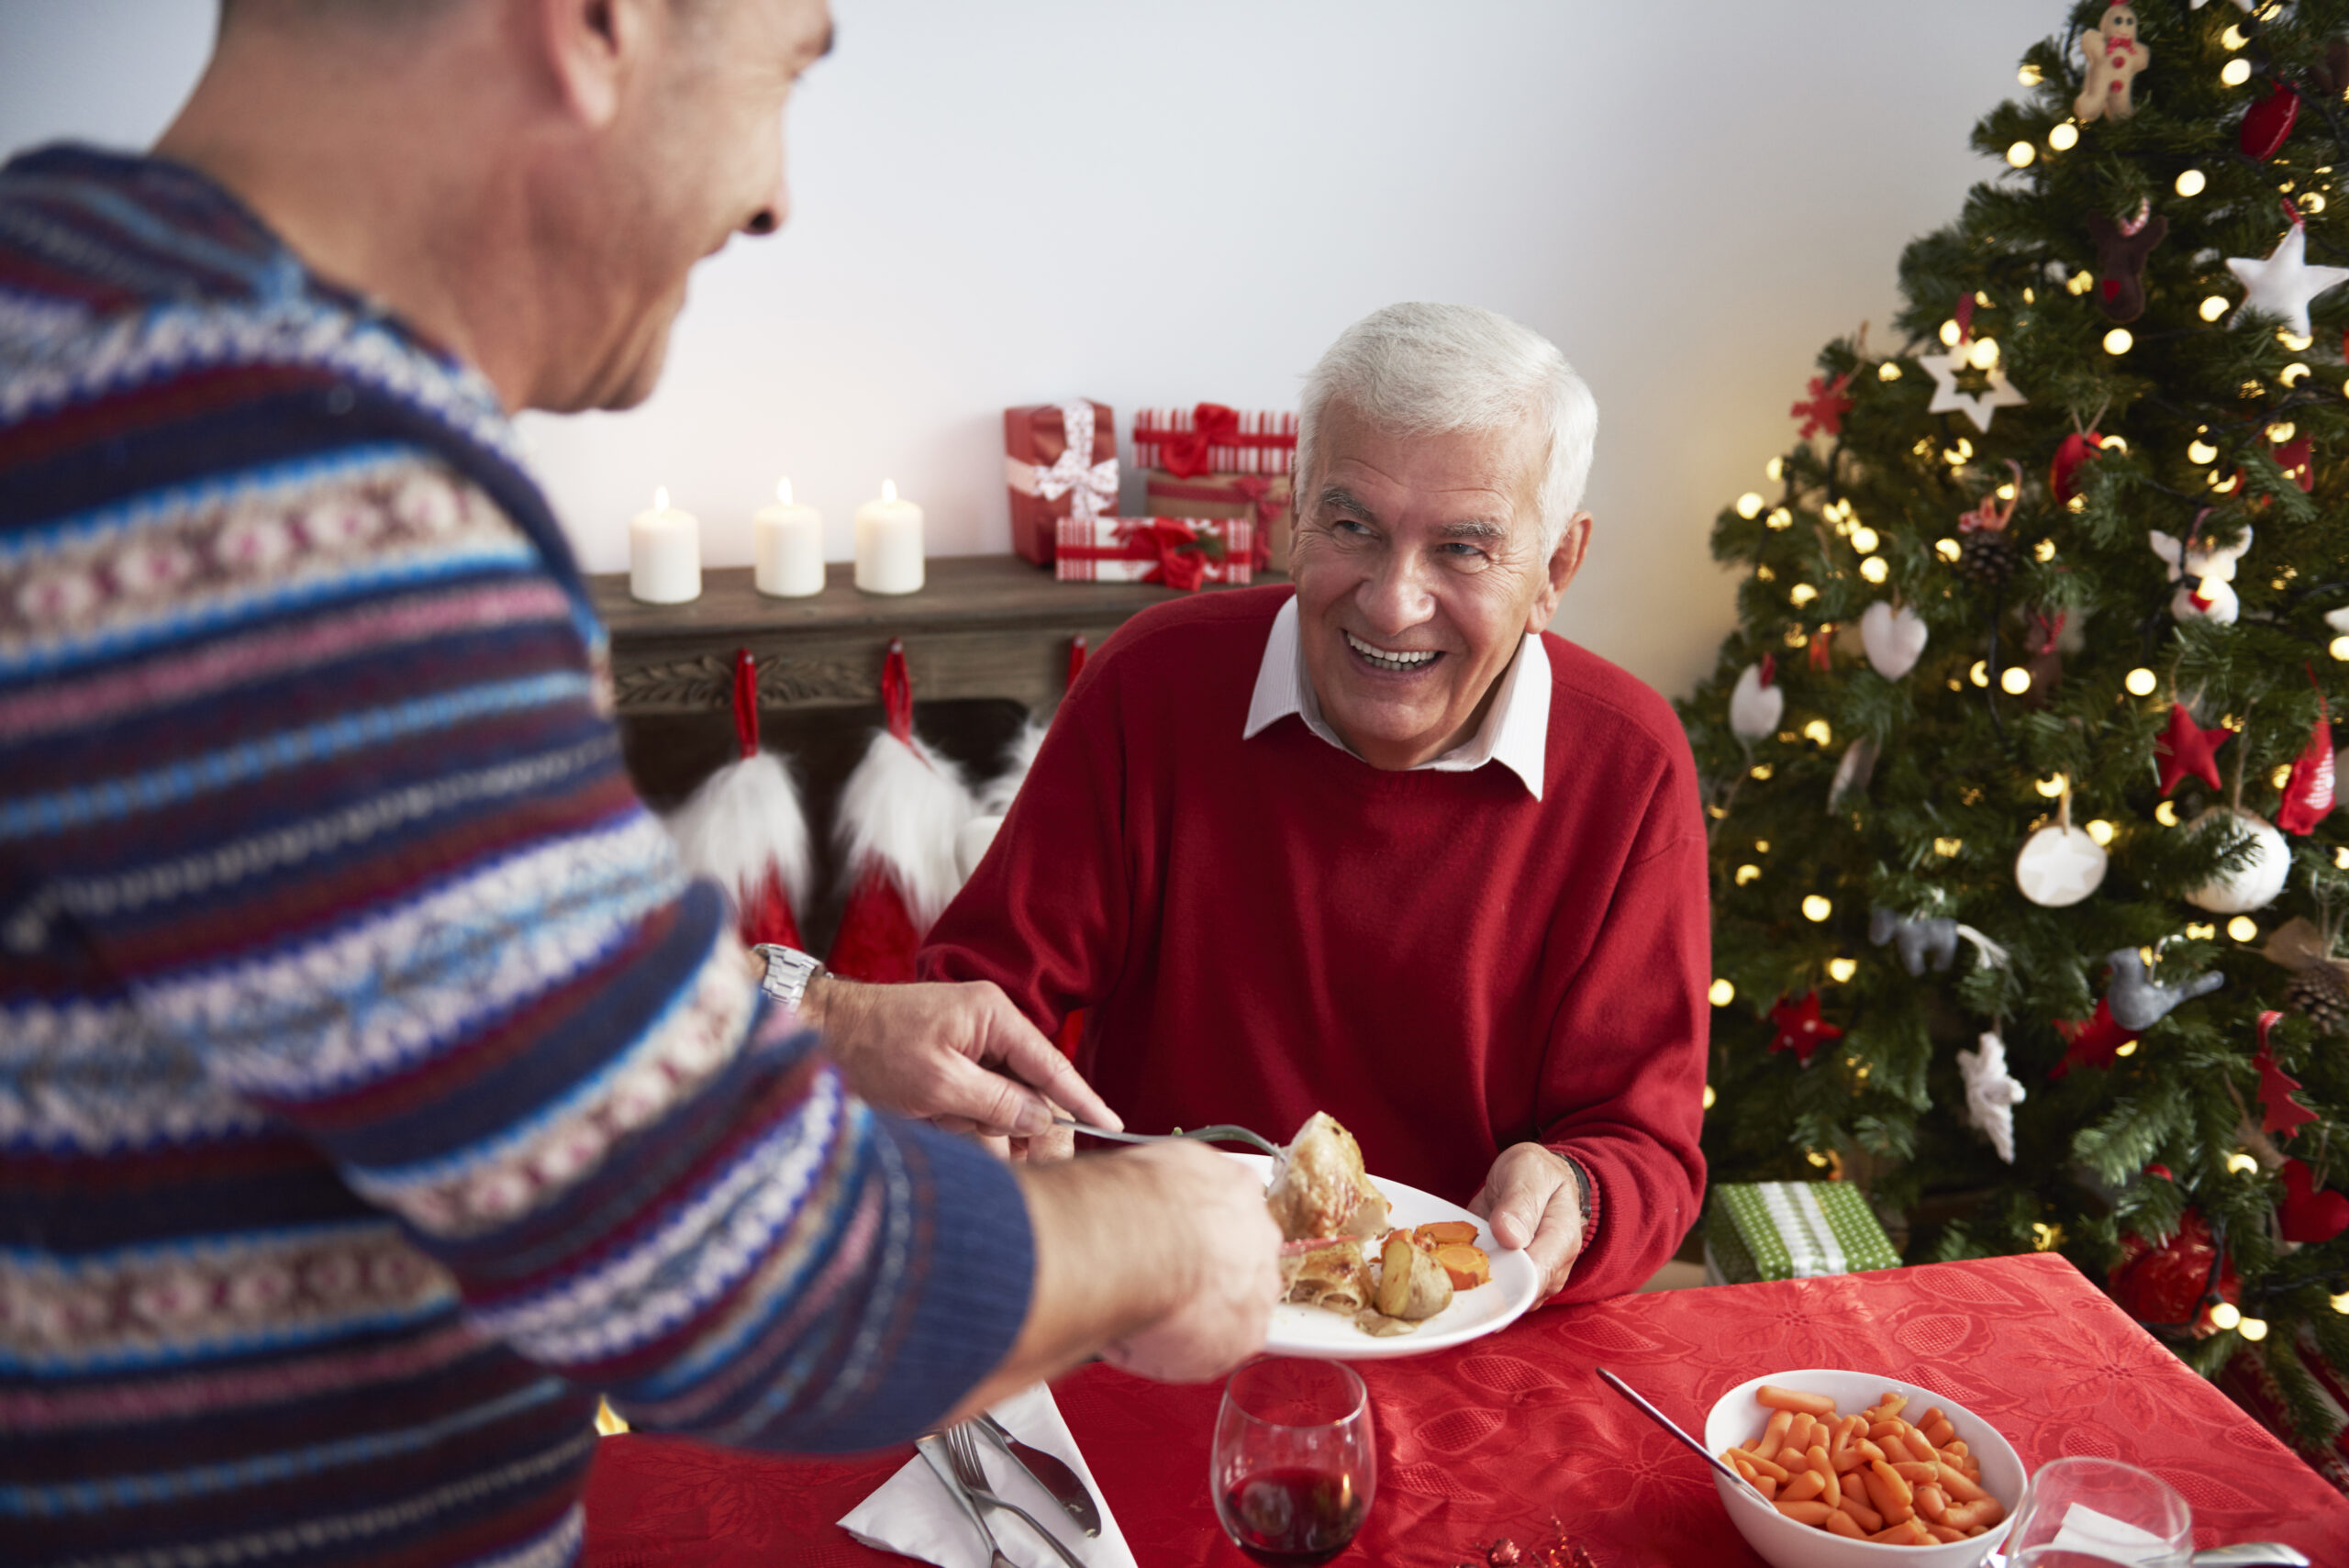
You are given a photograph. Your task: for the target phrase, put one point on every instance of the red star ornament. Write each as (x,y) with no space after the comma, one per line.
(2187,748)
(2095,1043)
(1800,1028)
(2310,1214)
(2281,1113)
(1826,407)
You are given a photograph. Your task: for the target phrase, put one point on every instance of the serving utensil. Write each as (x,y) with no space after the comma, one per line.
(1669,1425)
(929,1447)
(963,1453)
(2242,1554)
(1046,1471)
(1222,1133)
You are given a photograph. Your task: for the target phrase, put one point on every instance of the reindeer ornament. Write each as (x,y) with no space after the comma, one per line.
(2201,572)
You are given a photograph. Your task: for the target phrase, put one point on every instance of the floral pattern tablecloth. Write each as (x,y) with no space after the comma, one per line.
(1501,1436)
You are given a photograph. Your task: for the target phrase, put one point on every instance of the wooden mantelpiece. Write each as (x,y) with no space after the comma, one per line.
(985,626)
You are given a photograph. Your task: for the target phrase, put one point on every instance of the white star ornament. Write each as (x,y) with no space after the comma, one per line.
(1976,406)
(2283,284)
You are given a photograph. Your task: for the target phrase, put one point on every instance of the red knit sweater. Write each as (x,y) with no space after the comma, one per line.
(1265,928)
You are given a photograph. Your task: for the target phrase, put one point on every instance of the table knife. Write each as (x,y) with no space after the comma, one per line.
(1050,1472)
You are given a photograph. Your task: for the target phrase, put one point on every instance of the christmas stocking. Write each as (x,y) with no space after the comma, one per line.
(899,816)
(744,828)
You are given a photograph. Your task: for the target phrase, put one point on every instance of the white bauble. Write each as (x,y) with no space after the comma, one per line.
(1894,640)
(2057,867)
(1755,707)
(2254,883)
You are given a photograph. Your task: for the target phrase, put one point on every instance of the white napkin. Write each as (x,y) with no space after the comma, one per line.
(2092,1534)
(912,1514)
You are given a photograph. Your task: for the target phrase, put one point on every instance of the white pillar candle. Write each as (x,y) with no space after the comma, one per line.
(787,546)
(888,543)
(664,554)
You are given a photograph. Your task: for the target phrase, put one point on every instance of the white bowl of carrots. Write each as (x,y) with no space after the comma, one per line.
(1874,1433)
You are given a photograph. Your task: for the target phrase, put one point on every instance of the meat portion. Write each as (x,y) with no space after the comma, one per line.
(1336,1279)
(1319,1188)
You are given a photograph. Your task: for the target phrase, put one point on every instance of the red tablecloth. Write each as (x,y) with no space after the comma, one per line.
(1495,1437)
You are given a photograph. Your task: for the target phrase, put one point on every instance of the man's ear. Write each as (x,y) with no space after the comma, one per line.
(1565,561)
(588,47)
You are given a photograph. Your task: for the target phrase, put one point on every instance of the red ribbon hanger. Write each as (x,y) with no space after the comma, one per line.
(746,703)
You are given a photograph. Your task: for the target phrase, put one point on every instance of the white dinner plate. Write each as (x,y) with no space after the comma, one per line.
(1327,1336)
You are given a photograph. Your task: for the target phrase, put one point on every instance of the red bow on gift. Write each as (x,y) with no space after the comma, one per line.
(1183,556)
(1185,453)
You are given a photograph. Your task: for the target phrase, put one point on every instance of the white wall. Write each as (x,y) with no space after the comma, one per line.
(1162,203)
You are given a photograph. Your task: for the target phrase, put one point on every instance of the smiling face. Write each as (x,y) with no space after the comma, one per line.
(693,155)
(1420,568)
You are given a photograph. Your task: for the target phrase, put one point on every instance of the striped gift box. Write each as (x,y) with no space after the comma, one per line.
(1142,549)
(1262,441)
(1792,1231)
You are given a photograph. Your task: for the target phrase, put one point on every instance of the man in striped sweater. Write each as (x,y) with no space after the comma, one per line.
(374,1088)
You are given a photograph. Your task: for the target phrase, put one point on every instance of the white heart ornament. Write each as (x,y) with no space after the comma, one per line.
(1894,640)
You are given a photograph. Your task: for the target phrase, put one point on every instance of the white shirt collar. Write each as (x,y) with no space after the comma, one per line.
(1516,731)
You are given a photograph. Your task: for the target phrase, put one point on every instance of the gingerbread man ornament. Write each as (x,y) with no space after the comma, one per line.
(2114,57)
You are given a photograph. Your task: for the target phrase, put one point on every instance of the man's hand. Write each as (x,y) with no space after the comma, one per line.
(960,1055)
(1162,1258)
(1226,1251)
(1531,1201)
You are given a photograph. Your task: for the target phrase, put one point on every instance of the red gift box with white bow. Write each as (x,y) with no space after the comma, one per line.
(1060,460)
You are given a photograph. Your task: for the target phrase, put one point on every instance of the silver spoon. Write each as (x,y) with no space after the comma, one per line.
(1669,1425)
(1222,1133)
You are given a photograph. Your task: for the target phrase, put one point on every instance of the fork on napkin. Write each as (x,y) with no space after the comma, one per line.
(912,1514)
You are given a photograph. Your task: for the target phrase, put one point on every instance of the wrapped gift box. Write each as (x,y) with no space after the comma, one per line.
(1211,439)
(1181,553)
(1792,1231)
(1261,498)
(1052,476)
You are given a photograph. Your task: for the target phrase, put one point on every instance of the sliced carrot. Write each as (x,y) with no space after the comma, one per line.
(1447,1232)
(1467,1265)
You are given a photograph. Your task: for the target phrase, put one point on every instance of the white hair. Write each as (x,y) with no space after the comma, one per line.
(1429,368)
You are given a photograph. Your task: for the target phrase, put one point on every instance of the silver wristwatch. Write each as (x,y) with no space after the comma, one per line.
(789,972)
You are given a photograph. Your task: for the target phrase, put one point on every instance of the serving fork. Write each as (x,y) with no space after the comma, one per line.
(1222,1133)
(963,1453)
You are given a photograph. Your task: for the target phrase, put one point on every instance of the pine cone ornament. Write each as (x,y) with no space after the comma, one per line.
(2320,994)
(1987,558)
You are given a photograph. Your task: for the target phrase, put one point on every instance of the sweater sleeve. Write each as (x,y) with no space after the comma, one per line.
(358,844)
(1047,913)
(1623,1079)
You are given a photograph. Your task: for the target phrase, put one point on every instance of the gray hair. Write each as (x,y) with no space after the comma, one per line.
(1429,368)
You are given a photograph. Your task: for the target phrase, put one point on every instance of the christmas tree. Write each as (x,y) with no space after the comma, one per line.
(2017,767)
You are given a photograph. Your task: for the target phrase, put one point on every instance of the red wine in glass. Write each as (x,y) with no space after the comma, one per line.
(1293,1516)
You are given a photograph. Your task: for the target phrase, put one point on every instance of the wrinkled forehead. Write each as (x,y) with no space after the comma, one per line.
(1508,460)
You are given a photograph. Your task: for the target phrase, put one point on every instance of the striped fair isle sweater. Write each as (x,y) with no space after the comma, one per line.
(375,1087)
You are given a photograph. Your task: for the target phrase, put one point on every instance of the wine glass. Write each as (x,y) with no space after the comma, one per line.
(2090,1513)
(1296,1462)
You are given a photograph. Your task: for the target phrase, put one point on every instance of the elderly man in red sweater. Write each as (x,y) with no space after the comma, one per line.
(1384,846)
